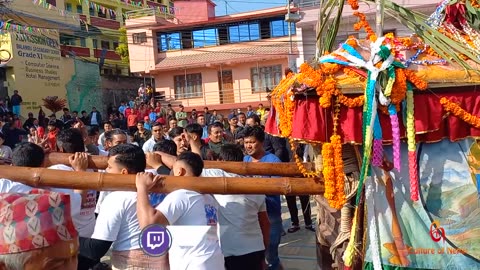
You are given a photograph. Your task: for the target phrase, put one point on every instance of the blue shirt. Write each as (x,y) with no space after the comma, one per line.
(274,207)
(205,132)
(152,116)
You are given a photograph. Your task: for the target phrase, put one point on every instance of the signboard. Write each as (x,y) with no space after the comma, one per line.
(37,69)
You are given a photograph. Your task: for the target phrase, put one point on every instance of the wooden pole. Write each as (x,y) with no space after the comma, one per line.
(244,168)
(41,177)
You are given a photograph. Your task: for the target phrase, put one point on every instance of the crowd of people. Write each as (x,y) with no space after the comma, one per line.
(172,142)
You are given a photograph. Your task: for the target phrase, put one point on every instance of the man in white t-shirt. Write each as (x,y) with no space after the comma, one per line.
(157,136)
(70,141)
(195,245)
(243,219)
(117,223)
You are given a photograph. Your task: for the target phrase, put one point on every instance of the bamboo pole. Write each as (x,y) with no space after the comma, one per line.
(41,177)
(244,168)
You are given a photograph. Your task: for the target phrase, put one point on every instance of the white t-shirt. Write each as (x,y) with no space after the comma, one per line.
(7,186)
(240,231)
(85,220)
(195,213)
(148,145)
(101,141)
(117,221)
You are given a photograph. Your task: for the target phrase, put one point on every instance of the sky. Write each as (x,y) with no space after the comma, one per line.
(236,6)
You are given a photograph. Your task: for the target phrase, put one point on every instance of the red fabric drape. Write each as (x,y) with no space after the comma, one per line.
(313,123)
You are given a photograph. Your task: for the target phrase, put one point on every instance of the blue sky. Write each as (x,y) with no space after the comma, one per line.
(235,6)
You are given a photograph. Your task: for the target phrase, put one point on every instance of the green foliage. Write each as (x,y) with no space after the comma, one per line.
(122,49)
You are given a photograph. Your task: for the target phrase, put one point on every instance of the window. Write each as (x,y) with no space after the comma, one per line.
(67,40)
(83,43)
(244,32)
(188,86)
(105,44)
(170,41)
(68,7)
(115,45)
(113,15)
(139,38)
(101,14)
(265,77)
(279,28)
(79,9)
(205,38)
(95,43)
(91,11)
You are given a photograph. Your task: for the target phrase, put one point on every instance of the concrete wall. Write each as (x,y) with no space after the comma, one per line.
(242,86)
(188,11)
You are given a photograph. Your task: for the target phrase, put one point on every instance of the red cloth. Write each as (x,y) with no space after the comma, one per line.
(36,220)
(315,124)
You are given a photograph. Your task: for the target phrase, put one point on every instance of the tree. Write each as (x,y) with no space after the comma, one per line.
(122,49)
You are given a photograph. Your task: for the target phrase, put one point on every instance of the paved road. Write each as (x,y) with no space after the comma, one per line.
(297,250)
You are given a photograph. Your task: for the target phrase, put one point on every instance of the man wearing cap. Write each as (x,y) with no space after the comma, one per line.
(181,117)
(37,232)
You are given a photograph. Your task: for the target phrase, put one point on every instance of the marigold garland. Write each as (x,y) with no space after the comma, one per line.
(328,171)
(363,23)
(415,80)
(456,110)
(399,89)
(287,121)
(349,102)
(299,163)
(354,4)
(330,68)
(309,76)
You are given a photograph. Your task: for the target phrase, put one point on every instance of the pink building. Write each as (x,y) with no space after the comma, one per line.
(220,62)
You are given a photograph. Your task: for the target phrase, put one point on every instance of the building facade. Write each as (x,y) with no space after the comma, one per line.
(218,62)
(70,50)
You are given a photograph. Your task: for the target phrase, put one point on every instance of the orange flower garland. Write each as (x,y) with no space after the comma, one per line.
(328,171)
(475,3)
(286,122)
(309,76)
(339,199)
(456,110)
(330,68)
(363,23)
(415,80)
(299,163)
(354,4)
(328,88)
(350,102)
(399,89)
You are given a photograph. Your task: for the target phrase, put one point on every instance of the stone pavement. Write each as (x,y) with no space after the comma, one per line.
(297,250)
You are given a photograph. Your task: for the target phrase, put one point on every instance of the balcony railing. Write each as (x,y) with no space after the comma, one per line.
(215,97)
(148,12)
(74,51)
(307,3)
(104,22)
(110,55)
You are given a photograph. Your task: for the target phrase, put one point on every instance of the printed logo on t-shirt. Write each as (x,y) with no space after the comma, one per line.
(211,214)
(88,207)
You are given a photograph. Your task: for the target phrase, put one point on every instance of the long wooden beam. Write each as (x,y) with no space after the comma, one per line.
(41,177)
(244,168)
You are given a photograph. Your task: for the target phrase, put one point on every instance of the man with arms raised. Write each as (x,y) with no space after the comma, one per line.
(49,243)
(195,245)
(117,223)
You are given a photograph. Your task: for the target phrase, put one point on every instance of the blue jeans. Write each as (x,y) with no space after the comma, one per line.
(16,110)
(276,229)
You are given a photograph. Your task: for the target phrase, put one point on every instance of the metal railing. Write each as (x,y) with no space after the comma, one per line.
(215,97)
(147,12)
(307,3)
